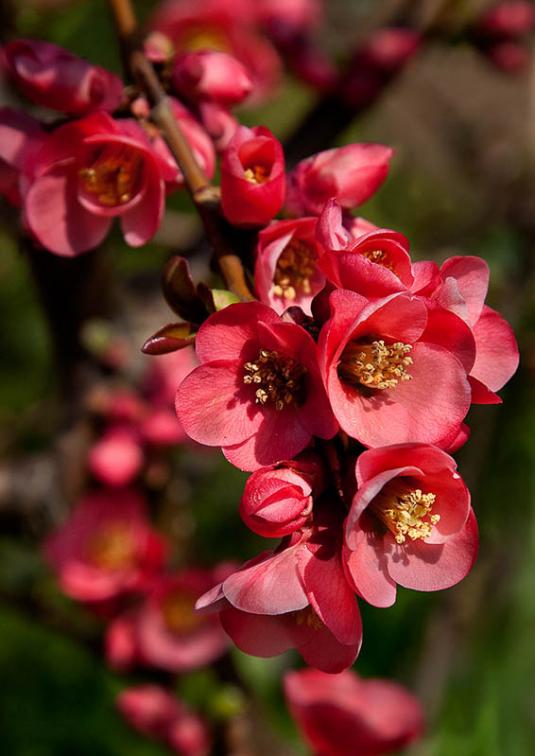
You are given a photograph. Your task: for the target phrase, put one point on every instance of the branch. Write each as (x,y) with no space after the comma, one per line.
(203,193)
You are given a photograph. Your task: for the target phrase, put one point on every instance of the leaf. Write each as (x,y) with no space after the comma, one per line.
(180,292)
(170,338)
(216,299)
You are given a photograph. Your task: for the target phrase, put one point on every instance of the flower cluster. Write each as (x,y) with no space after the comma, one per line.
(344,391)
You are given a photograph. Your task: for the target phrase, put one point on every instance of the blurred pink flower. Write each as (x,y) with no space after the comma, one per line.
(345,715)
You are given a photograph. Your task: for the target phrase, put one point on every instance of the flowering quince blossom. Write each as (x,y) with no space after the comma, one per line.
(461,288)
(371,261)
(106,547)
(165,631)
(345,715)
(277,500)
(223,25)
(252,177)
(89,172)
(286,268)
(257,392)
(55,78)
(212,82)
(156,713)
(294,597)
(410,523)
(387,381)
(138,425)
(349,174)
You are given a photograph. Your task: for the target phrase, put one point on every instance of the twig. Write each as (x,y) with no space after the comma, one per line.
(203,193)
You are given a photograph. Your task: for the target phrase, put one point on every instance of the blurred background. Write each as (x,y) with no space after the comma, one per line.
(462,182)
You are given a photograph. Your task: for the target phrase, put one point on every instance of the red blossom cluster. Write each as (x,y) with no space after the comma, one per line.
(343,392)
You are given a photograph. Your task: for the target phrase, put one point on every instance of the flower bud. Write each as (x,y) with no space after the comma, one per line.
(277,500)
(211,75)
(54,78)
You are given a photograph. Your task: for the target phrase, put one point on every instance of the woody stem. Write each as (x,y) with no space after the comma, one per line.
(203,193)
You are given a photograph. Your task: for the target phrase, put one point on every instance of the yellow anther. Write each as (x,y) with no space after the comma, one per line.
(258,174)
(407,512)
(295,268)
(280,379)
(113,176)
(375,365)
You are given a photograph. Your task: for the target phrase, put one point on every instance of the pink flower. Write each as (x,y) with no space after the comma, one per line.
(89,172)
(462,288)
(106,547)
(21,138)
(509,19)
(165,631)
(294,597)
(372,263)
(156,713)
(390,376)
(297,15)
(349,174)
(286,269)
(225,25)
(410,523)
(117,457)
(258,391)
(277,500)
(211,75)
(252,177)
(345,715)
(55,78)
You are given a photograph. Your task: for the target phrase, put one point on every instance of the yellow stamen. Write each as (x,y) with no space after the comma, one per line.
(113,176)
(112,549)
(295,267)
(376,365)
(407,512)
(178,610)
(257,174)
(379,257)
(279,380)
(204,38)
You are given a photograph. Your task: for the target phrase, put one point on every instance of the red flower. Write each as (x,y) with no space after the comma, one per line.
(55,78)
(390,377)
(106,547)
(410,523)
(349,174)
(344,715)
(277,500)
(252,177)
(156,713)
(165,631)
(286,270)
(509,19)
(225,25)
(117,457)
(258,391)
(373,262)
(296,596)
(89,172)
(462,288)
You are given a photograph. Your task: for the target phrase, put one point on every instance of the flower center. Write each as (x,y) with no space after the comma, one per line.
(198,37)
(379,257)
(278,380)
(308,618)
(179,613)
(113,176)
(376,365)
(295,268)
(112,549)
(407,512)
(256,174)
